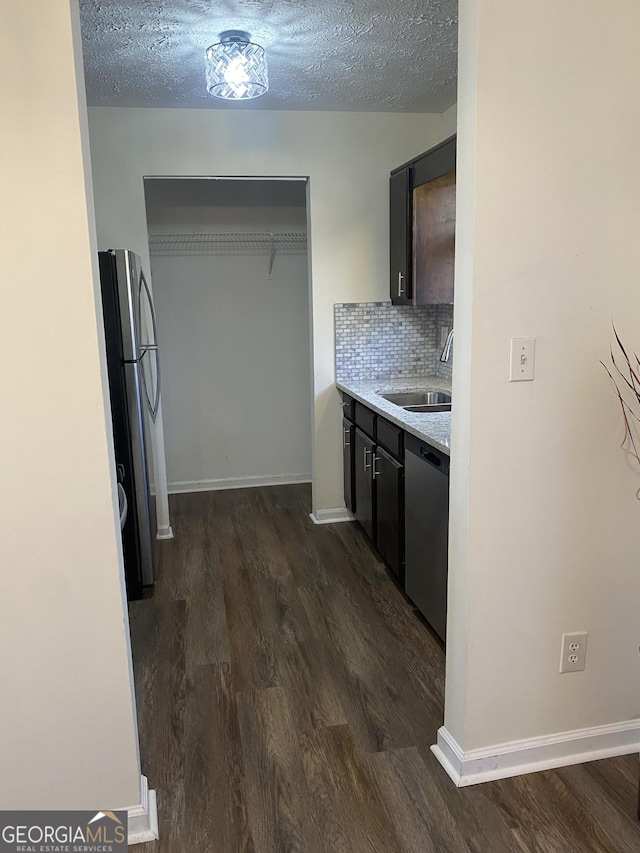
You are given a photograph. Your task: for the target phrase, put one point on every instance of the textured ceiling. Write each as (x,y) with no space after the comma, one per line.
(370,55)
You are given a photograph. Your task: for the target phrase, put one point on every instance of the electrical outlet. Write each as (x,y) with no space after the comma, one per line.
(573,652)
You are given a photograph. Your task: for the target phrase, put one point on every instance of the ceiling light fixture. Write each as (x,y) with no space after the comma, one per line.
(236,67)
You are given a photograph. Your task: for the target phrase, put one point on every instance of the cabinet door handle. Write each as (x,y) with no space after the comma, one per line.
(375,459)
(400,287)
(345,437)
(366,464)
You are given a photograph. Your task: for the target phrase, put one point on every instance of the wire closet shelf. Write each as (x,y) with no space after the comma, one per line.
(230,243)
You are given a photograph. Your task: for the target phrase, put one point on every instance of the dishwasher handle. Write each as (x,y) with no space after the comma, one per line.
(430,456)
(434,457)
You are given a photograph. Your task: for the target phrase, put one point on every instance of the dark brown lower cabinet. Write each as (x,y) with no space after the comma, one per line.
(363,448)
(348,436)
(374,482)
(389,488)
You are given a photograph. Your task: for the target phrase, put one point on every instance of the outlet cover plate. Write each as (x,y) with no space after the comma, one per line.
(573,652)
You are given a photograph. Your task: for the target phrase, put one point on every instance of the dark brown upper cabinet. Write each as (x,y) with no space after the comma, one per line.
(434,228)
(422,196)
(400,218)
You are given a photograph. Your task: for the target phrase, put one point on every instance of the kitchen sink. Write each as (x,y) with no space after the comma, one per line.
(420,401)
(429,407)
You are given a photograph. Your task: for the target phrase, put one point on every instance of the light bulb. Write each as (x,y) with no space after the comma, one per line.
(236,75)
(236,68)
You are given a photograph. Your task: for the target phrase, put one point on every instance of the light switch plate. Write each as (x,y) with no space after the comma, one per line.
(522,360)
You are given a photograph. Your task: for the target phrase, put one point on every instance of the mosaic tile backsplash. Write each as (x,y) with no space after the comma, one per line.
(444,321)
(378,340)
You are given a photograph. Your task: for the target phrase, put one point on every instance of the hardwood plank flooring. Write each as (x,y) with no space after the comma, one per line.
(171,822)
(215,785)
(157,631)
(278,798)
(350,812)
(423,821)
(207,637)
(288,694)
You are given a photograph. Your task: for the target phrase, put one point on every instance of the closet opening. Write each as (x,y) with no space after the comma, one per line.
(231,283)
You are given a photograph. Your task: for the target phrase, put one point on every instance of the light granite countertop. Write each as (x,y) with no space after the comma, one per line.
(434,428)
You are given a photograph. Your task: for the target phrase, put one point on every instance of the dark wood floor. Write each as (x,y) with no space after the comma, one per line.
(288,695)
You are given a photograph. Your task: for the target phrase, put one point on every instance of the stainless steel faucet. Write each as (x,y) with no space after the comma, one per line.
(445,355)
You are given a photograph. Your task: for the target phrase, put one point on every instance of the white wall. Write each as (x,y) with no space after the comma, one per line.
(347,156)
(68,736)
(235,347)
(450,121)
(544,520)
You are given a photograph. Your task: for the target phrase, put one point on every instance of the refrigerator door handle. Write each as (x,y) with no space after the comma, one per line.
(143,288)
(140,498)
(152,406)
(156,401)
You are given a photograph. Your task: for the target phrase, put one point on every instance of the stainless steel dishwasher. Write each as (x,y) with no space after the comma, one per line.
(426,481)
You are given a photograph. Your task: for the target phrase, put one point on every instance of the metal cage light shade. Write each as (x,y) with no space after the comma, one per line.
(236,67)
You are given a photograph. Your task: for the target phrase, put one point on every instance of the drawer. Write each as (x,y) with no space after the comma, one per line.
(348,406)
(365,419)
(391,437)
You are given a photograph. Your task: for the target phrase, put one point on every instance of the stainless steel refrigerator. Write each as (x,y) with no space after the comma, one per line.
(134,388)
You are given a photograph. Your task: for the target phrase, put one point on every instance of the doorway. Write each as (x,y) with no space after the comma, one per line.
(231,285)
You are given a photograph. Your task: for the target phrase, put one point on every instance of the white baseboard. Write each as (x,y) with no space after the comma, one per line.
(331,516)
(165,532)
(181,486)
(516,758)
(143,818)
